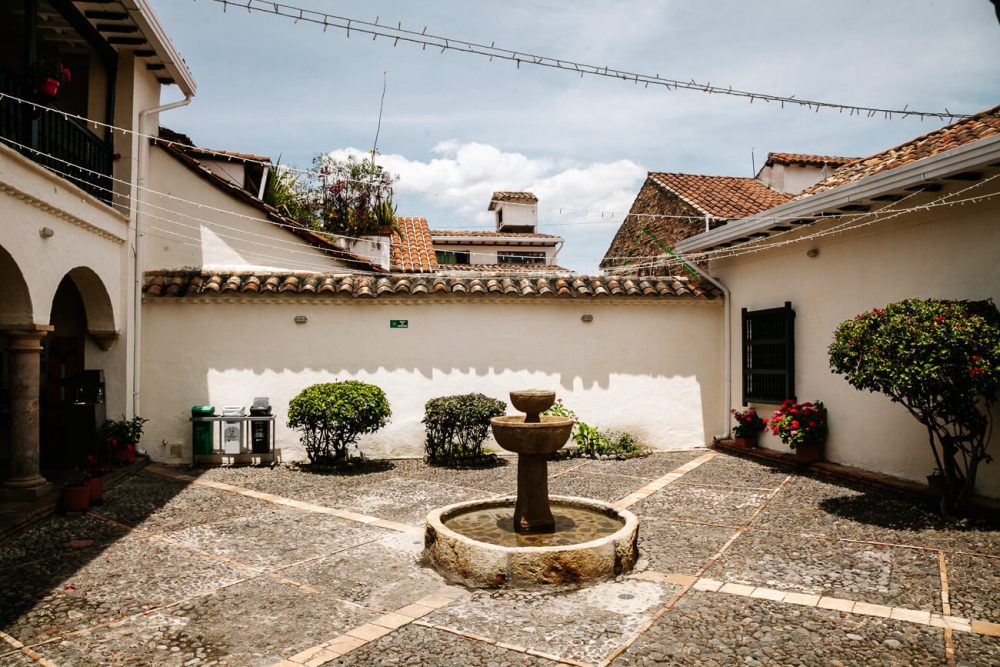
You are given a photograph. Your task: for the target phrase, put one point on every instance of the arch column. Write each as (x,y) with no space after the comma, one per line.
(24,347)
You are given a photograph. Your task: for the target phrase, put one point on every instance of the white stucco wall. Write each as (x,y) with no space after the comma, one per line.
(951,253)
(649,366)
(182,234)
(518,215)
(793,178)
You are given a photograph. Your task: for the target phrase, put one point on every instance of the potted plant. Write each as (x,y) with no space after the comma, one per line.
(801,426)
(121,437)
(49,76)
(93,473)
(748,427)
(74,497)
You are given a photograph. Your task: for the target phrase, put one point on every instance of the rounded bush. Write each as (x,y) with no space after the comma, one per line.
(457,426)
(332,416)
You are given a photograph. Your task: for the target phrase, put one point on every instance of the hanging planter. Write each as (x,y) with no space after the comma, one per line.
(49,77)
(49,87)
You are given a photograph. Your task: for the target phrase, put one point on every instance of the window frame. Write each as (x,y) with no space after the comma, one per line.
(786,314)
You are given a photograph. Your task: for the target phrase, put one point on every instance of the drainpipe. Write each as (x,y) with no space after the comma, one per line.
(143,171)
(727,325)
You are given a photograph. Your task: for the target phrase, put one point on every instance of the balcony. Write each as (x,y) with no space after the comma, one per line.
(58,143)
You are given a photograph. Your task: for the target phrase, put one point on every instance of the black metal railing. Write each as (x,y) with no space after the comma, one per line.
(54,141)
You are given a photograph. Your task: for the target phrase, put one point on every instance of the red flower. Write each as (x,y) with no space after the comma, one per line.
(812,424)
(795,424)
(939,318)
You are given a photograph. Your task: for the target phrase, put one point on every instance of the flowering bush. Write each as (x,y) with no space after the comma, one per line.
(799,424)
(941,361)
(748,423)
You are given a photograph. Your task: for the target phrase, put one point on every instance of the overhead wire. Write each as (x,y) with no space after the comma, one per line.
(424,39)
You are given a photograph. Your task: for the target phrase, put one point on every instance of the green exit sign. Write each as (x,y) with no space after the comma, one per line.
(399,324)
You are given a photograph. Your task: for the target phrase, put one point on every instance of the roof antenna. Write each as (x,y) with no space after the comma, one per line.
(753,163)
(378,128)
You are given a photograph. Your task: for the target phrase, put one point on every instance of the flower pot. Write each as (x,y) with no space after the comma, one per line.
(745,443)
(811,453)
(937,484)
(96,486)
(49,87)
(75,499)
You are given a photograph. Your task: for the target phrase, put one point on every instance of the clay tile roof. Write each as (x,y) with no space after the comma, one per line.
(515,197)
(410,247)
(720,196)
(263,285)
(811,160)
(480,233)
(974,128)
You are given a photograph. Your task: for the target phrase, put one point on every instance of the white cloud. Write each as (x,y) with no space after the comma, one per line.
(457,182)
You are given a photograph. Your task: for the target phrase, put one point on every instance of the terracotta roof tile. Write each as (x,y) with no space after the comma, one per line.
(974,128)
(812,160)
(192,284)
(720,196)
(411,248)
(515,197)
(479,233)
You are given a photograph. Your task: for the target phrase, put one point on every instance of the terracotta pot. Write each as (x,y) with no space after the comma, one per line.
(124,454)
(49,87)
(808,453)
(745,443)
(96,489)
(937,484)
(75,499)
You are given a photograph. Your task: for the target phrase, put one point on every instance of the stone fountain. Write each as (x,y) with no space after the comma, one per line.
(531,539)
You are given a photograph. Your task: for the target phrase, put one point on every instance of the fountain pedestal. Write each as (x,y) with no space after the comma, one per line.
(532,513)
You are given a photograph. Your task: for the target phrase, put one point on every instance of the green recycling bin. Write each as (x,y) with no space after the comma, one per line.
(202,432)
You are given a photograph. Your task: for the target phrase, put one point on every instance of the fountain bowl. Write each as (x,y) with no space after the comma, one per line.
(547,436)
(532,401)
(483,564)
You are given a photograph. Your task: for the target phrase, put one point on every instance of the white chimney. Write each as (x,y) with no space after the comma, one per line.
(515,211)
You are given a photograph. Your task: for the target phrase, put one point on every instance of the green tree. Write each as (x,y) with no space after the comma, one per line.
(941,361)
(334,415)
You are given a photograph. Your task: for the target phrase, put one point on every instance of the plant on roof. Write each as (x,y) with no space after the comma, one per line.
(283,192)
(332,416)
(457,426)
(350,196)
(941,361)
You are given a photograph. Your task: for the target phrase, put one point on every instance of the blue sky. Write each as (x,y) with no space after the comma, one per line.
(456,127)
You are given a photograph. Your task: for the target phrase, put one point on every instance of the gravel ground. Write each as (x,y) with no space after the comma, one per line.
(714,629)
(976,650)
(584,625)
(418,645)
(724,506)
(734,471)
(974,587)
(216,578)
(884,575)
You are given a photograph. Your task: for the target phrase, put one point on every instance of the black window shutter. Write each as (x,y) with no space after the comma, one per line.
(768,354)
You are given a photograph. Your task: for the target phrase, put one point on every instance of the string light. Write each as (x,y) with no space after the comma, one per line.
(425,39)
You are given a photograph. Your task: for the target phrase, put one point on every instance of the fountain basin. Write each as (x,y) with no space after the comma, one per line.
(593,541)
(546,436)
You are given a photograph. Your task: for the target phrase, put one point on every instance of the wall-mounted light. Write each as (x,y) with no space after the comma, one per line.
(46,232)
(812,252)
(587,318)
(301,319)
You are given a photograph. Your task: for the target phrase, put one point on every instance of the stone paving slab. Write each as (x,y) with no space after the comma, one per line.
(824,507)
(499,479)
(738,472)
(156,503)
(600,487)
(654,466)
(974,587)
(884,575)
(15,659)
(731,507)
(130,577)
(406,500)
(668,546)
(384,574)
(976,650)
(276,536)
(60,537)
(584,625)
(716,629)
(257,622)
(419,645)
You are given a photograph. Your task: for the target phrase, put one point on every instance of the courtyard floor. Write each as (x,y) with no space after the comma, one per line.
(741,563)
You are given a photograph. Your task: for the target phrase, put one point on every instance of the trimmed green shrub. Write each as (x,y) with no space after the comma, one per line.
(334,415)
(457,426)
(941,361)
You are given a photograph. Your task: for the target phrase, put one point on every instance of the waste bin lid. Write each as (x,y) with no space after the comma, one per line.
(203,410)
(261,402)
(233,410)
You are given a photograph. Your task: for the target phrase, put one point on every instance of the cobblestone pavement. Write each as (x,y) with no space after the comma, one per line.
(741,563)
